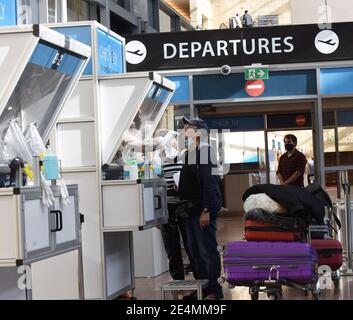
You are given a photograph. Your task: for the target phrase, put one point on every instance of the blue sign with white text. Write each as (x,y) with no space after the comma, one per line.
(110,54)
(8,13)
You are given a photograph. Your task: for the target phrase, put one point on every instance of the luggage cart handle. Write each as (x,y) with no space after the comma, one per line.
(277,273)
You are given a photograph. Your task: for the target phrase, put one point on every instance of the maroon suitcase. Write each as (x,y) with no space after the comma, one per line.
(248,261)
(329,252)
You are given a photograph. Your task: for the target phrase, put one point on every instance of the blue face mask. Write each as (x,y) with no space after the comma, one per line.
(190,142)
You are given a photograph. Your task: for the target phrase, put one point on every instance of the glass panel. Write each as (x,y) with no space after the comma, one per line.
(52,11)
(77,10)
(330,157)
(345,145)
(165,22)
(137,145)
(39,92)
(27,11)
(243,147)
(276,149)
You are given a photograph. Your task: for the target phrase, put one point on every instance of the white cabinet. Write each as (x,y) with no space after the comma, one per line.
(133,205)
(35,231)
(37,227)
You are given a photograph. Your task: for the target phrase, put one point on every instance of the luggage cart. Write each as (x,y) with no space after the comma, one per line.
(327,230)
(273,287)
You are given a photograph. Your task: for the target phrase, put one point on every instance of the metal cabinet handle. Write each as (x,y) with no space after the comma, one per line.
(58,220)
(159,202)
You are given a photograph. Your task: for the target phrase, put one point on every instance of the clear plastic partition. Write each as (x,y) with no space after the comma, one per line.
(135,157)
(41,89)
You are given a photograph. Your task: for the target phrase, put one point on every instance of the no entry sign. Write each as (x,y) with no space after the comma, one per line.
(254,88)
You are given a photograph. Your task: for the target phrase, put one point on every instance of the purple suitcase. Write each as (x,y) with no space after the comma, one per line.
(248,261)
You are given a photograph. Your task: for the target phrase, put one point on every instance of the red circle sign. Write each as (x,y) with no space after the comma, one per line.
(300,120)
(254,88)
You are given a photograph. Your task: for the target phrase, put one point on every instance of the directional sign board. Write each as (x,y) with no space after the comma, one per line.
(256,73)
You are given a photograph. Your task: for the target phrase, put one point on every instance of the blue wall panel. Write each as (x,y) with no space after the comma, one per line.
(282,83)
(181,94)
(8,13)
(336,81)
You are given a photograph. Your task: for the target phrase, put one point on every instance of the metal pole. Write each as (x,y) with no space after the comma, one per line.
(36,171)
(348,221)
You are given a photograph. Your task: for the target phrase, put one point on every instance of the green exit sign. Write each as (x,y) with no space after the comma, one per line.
(256,73)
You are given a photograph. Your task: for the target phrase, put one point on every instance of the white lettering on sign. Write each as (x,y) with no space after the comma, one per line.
(263,45)
(174,52)
(235,44)
(276,43)
(195,47)
(183,48)
(2,11)
(220,48)
(108,55)
(288,44)
(253,48)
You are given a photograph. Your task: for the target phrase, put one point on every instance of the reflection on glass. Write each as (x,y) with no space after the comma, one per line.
(345,145)
(243,147)
(39,92)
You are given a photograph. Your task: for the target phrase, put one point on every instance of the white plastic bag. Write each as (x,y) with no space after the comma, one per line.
(262,201)
(35,141)
(16,145)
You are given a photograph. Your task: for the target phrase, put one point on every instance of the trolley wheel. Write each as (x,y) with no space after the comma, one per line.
(220,248)
(275,296)
(316,296)
(254,296)
(336,282)
(221,280)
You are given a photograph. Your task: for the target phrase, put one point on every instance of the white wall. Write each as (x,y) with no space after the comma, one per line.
(316,11)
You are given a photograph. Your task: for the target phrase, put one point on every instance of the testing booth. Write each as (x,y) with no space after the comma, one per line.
(40,242)
(120,192)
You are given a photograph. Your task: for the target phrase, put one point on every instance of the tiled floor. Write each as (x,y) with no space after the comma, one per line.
(231,229)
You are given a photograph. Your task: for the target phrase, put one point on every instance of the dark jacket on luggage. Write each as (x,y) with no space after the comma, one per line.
(298,201)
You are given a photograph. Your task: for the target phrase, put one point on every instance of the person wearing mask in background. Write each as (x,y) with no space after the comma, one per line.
(247,20)
(176,225)
(199,185)
(291,166)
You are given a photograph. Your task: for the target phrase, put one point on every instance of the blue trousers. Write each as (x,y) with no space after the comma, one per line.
(203,249)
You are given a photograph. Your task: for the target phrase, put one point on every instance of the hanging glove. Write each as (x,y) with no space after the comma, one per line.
(47,194)
(65,198)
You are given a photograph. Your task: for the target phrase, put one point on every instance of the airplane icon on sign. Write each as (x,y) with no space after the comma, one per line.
(329,42)
(137,52)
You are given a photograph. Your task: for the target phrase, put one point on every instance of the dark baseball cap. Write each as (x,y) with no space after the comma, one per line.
(196,122)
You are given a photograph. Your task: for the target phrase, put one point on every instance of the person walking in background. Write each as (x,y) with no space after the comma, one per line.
(247,20)
(291,166)
(176,225)
(238,23)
